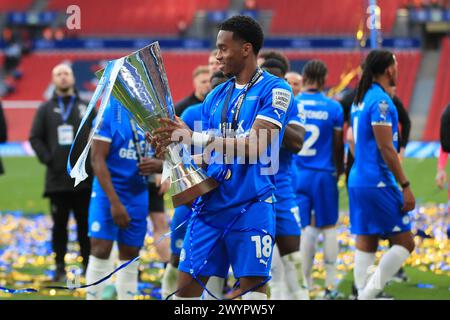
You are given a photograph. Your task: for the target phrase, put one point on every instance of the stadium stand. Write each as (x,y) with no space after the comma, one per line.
(441,93)
(6,5)
(288,17)
(179,74)
(141,17)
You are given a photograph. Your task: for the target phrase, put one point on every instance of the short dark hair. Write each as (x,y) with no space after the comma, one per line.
(275,67)
(315,71)
(273,54)
(246,29)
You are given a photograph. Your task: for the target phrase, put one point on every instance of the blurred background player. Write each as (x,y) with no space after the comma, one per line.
(441,176)
(201,84)
(119,201)
(287,234)
(213,63)
(319,165)
(274,54)
(295,81)
(377,207)
(52,134)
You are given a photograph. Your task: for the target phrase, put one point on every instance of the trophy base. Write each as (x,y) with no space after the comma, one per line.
(189,195)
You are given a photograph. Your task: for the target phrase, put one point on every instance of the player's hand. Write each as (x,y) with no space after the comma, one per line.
(171,131)
(150,165)
(120,215)
(441,178)
(164,187)
(409,202)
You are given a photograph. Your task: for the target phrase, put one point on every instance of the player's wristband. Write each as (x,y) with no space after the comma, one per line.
(200,139)
(405,184)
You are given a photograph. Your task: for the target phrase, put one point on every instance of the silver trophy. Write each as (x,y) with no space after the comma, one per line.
(142,87)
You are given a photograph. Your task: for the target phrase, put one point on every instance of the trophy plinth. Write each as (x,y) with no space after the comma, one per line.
(189,195)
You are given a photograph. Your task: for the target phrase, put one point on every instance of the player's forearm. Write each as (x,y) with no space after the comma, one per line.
(338,157)
(293,138)
(252,146)
(442,160)
(390,157)
(103,175)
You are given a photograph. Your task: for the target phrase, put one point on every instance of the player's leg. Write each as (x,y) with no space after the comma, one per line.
(99,266)
(102,232)
(326,217)
(366,247)
(130,241)
(384,217)
(310,235)
(390,263)
(60,210)
(291,259)
(366,238)
(330,250)
(178,228)
(278,288)
(215,287)
(188,287)
(249,247)
(159,222)
(202,243)
(127,278)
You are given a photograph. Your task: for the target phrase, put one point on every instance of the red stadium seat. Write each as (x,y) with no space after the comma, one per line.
(16,5)
(139,17)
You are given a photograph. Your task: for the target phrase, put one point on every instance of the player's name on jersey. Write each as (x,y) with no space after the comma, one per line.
(317,115)
(130,152)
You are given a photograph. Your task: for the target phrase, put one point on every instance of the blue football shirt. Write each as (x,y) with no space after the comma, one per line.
(122,160)
(269,99)
(285,175)
(369,168)
(323,116)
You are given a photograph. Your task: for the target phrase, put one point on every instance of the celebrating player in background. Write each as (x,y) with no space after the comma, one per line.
(377,207)
(119,201)
(51,136)
(319,165)
(288,230)
(235,223)
(288,226)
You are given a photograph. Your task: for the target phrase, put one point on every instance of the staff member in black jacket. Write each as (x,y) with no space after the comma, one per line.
(3,134)
(54,127)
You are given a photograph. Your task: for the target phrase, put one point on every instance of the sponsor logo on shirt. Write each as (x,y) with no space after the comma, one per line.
(130,152)
(281,99)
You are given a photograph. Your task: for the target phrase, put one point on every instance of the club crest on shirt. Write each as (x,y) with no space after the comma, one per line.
(281,99)
(383,107)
